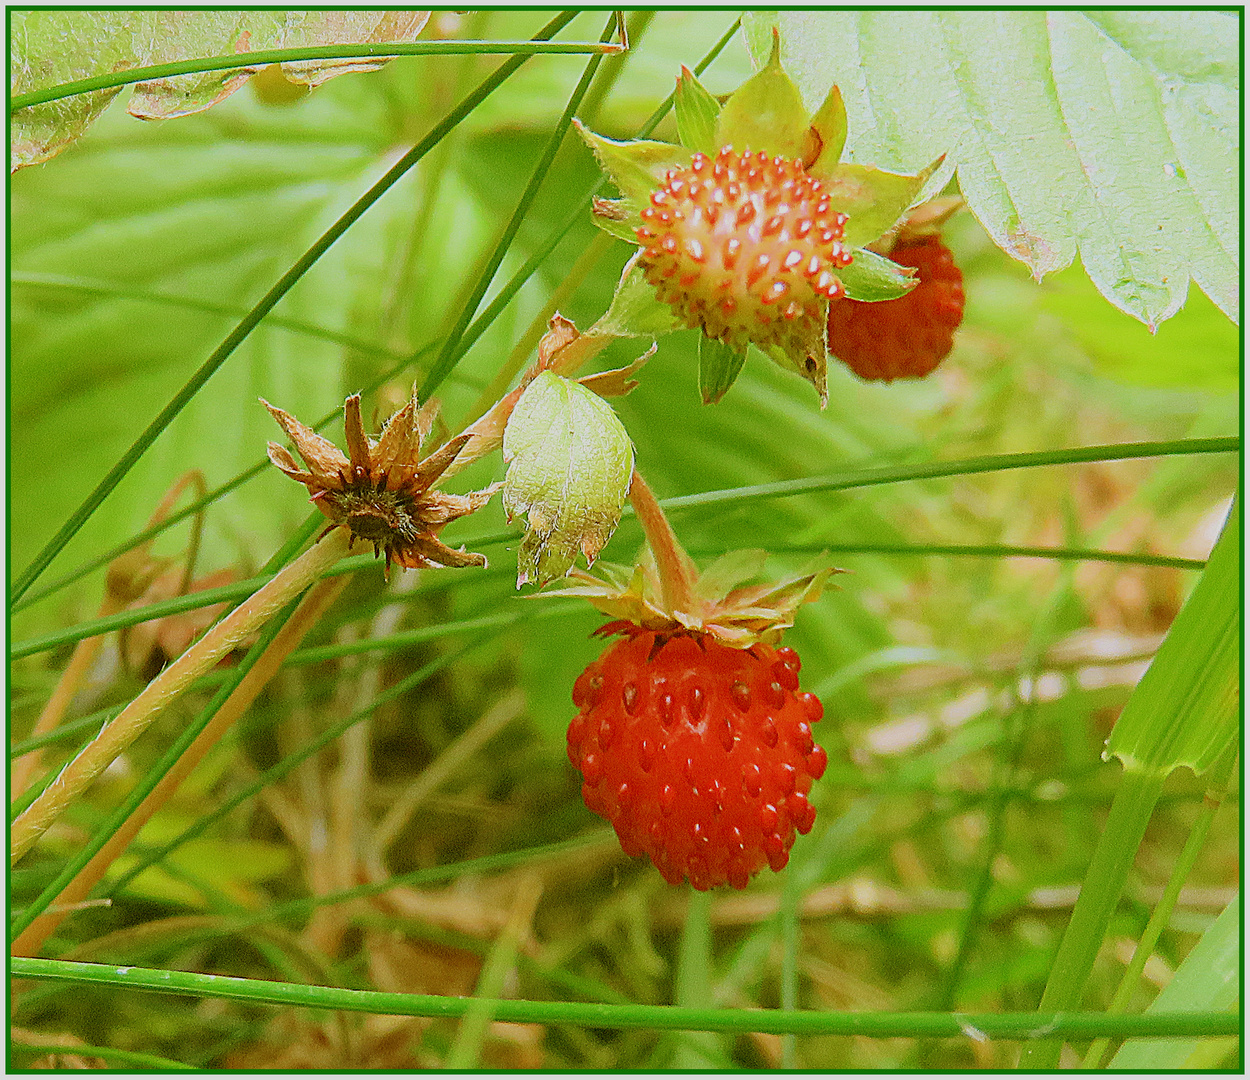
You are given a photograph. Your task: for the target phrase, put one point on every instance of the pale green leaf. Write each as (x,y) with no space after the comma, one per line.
(54,47)
(1185,710)
(1209,978)
(1113,135)
(570,464)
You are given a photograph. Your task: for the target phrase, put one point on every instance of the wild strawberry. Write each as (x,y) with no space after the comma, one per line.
(700,755)
(746,248)
(910,336)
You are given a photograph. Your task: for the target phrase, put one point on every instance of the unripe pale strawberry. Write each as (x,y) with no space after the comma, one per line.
(746,248)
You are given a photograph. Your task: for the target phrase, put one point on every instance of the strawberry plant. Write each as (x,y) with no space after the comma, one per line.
(760,583)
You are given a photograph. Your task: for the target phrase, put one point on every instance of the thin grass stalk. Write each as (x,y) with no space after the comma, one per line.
(241,589)
(80,773)
(501,962)
(434,775)
(893,474)
(449,356)
(264,57)
(292,761)
(265,305)
(789,914)
(513,286)
(694,979)
(305,616)
(1109,868)
(1159,918)
(1024,1026)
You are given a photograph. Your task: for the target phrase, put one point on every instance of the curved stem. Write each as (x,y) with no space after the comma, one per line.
(677,570)
(314,605)
(97,755)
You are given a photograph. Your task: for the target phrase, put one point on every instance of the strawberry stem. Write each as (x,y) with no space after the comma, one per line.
(676,569)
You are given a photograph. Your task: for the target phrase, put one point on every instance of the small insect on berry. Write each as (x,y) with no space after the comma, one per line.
(700,755)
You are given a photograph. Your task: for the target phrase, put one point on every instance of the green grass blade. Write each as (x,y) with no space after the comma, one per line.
(1100,892)
(664,1017)
(1208,978)
(309,52)
(265,305)
(1185,710)
(1162,913)
(693,985)
(448,357)
(893,474)
(146,1062)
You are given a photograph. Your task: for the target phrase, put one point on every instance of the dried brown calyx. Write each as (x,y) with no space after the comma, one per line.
(382,490)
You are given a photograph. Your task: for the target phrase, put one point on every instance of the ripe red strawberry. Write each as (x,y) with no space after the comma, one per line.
(700,755)
(746,248)
(910,336)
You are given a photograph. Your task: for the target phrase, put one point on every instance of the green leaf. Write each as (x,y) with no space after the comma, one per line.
(696,111)
(636,167)
(635,311)
(1108,134)
(719,366)
(570,463)
(1198,347)
(766,113)
(874,277)
(873,199)
(1208,979)
(54,47)
(1185,710)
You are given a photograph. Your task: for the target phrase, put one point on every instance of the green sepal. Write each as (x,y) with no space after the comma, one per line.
(637,168)
(874,200)
(766,113)
(617,217)
(570,464)
(873,277)
(813,366)
(829,123)
(696,111)
(635,310)
(719,366)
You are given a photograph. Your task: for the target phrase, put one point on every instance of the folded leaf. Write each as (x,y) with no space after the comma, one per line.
(570,464)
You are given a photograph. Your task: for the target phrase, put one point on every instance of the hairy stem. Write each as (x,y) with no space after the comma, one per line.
(313,606)
(677,571)
(97,755)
